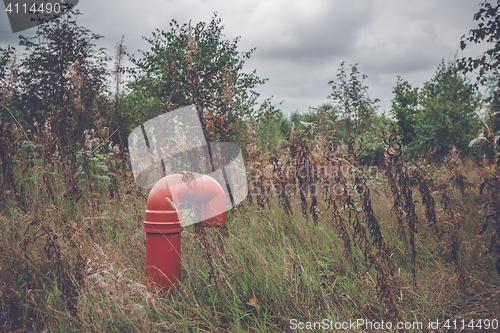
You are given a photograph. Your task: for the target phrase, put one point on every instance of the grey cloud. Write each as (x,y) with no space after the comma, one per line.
(300,43)
(330,32)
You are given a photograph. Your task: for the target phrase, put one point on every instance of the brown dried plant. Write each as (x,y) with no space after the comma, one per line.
(399,181)
(491,185)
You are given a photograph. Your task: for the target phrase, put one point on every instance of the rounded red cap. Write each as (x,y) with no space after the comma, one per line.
(161,215)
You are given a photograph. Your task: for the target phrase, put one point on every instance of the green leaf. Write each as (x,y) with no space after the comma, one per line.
(34,161)
(101,177)
(33,179)
(23,147)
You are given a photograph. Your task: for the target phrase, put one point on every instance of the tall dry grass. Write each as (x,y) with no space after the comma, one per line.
(403,244)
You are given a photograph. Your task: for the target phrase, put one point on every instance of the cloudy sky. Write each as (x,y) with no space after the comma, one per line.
(300,43)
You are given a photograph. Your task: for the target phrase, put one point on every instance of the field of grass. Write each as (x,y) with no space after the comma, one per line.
(72,258)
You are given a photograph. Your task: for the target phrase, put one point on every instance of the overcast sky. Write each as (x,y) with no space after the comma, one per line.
(300,43)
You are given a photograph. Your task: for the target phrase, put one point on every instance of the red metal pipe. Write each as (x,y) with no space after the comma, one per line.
(162,222)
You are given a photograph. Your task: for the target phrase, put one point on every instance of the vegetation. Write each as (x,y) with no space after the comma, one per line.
(439,116)
(197,66)
(350,214)
(352,101)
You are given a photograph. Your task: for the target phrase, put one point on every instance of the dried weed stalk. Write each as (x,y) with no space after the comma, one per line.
(399,182)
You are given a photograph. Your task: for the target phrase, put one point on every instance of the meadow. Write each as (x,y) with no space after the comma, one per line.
(406,244)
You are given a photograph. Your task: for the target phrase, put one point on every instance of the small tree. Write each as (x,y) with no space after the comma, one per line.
(196,66)
(486,66)
(350,98)
(61,72)
(8,77)
(447,115)
(405,107)
(5,57)
(488,30)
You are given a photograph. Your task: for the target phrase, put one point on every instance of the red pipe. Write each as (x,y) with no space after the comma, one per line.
(163,226)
